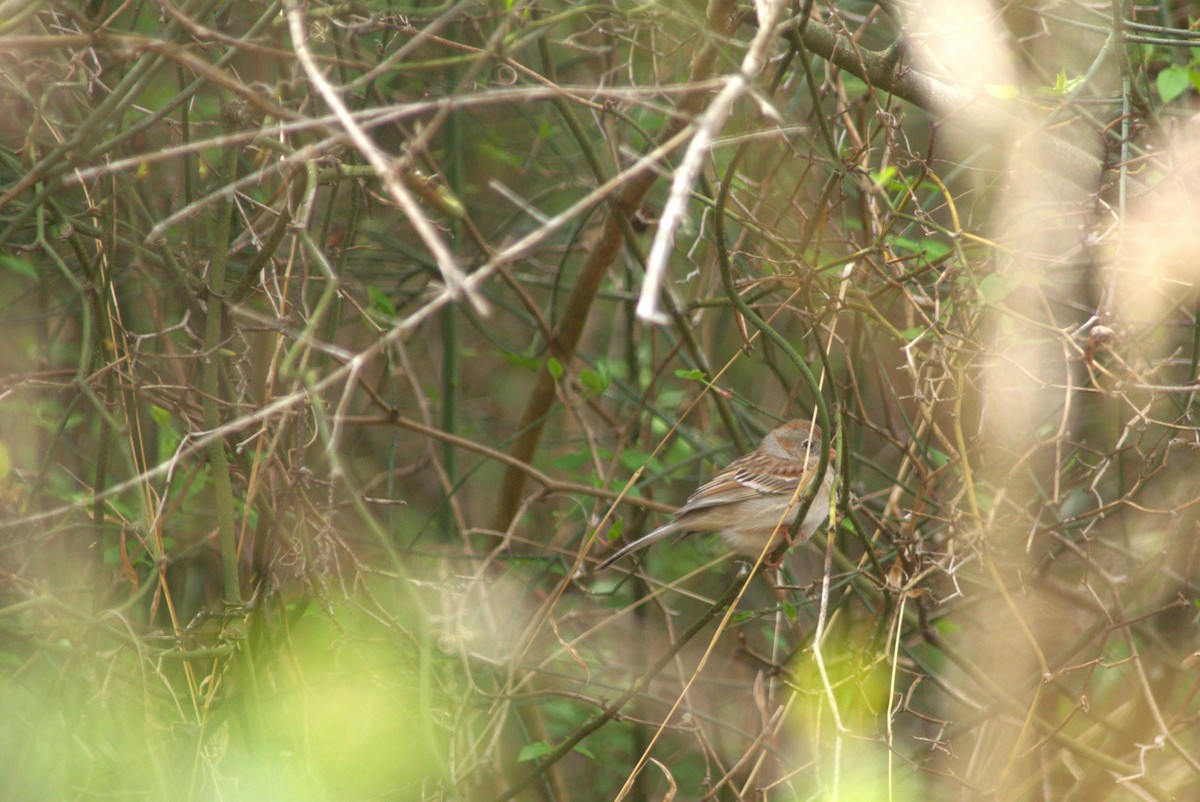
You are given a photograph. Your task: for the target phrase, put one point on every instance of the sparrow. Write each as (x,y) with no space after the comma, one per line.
(750,502)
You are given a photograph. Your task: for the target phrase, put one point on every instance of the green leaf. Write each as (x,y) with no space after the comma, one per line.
(1062,85)
(595,381)
(1002,91)
(934,248)
(996,287)
(984,499)
(694,375)
(614,532)
(521,360)
(883,177)
(1172,82)
(632,459)
(381,302)
(555,367)
(571,461)
(22,267)
(855,87)
(534,751)
(500,155)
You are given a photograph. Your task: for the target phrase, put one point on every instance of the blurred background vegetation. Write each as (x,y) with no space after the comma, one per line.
(341,339)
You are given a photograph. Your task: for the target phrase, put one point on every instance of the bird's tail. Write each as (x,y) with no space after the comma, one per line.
(645,540)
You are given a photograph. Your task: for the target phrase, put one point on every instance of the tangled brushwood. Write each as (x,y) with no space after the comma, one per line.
(343,342)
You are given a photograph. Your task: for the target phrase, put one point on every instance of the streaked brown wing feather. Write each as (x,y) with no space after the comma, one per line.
(744,479)
(723,489)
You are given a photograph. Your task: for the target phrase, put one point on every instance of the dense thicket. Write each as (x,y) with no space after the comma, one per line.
(342,340)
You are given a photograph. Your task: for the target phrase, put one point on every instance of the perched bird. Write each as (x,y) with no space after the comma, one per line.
(745,503)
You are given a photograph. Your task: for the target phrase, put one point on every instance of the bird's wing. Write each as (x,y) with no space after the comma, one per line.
(745,479)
